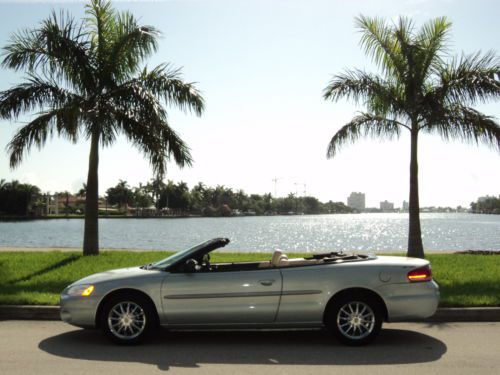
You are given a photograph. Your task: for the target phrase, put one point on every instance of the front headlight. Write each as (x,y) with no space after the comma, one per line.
(84,290)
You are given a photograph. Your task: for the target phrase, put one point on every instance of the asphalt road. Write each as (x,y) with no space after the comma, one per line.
(38,347)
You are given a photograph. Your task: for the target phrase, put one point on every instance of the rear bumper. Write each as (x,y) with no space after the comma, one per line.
(410,300)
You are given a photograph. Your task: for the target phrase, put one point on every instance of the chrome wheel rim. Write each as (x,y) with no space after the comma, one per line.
(126,320)
(356,320)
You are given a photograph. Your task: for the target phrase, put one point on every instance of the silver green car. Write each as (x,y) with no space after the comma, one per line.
(350,295)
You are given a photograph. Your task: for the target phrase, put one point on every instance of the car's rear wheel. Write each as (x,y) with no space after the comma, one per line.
(127,319)
(355,320)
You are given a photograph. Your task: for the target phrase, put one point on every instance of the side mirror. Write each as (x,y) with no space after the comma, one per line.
(191,265)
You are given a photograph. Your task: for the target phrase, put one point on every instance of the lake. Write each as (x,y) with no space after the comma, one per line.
(362,232)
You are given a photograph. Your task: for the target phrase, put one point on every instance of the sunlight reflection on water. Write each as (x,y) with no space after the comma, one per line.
(363,232)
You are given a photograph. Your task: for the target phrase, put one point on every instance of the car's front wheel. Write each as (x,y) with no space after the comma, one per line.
(127,319)
(355,320)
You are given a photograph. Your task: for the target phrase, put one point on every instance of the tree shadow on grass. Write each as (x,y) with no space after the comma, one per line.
(42,287)
(32,293)
(193,349)
(48,269)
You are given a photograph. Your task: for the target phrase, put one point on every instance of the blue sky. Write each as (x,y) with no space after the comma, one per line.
(262,66)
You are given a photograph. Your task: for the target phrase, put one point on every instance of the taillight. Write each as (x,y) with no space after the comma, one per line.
(420,274)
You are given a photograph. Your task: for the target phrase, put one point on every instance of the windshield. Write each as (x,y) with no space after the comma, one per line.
(179,255)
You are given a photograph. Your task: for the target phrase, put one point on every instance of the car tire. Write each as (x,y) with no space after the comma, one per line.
(127,319)
(355,320)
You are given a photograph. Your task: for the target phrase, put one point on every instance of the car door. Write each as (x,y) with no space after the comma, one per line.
(303,295)
(236,297)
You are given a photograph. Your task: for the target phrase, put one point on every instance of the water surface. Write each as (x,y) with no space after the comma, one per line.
(364,232)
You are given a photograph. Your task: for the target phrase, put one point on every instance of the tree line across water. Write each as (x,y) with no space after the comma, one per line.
(486,205)
(159,198)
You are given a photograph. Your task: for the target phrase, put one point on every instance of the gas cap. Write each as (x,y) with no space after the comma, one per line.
(384,276)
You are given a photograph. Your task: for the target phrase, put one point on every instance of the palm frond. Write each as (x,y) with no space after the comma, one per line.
(413,57)
(363,125)
(175,146)
(471,79)
(378,41)
(156,140)
(168,84)
(133,95)
(140,115)
(63,121)
(132,44)
(108,131)
(58,48)
(432,39)
(100,20)
(35,93)
(403,32)
(129,99)
(466,124)
(381,96)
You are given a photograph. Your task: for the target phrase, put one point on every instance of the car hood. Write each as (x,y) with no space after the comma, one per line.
(121,273)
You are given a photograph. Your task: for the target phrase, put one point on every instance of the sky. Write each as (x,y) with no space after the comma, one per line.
(262,67)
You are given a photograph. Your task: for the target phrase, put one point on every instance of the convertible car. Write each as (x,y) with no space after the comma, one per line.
(350,295)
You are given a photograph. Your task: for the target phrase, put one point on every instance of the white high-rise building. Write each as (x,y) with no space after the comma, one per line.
(356,201)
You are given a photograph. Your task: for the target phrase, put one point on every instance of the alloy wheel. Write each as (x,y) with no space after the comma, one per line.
(126,320)
(355,320)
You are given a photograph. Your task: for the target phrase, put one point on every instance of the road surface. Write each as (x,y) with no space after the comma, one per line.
(49,347)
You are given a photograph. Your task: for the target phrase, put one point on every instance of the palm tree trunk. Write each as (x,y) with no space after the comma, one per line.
(415,247)
(91,231)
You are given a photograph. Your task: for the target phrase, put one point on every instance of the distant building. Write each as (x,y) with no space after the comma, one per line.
(356,201)
(406,206)
(386,206)
(52,204)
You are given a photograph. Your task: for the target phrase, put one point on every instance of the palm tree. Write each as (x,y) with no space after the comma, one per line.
(156,186)
(421,90)
(121,194)
(198,195)
(18,198)
(83,191)
(86,79)
(141,198)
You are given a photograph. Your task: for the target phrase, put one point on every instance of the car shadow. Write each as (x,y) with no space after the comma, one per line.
(190,349)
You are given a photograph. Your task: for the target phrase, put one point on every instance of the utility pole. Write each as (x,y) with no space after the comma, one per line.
(304,192)
(275,180)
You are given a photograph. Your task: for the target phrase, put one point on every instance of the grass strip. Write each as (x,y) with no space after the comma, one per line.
(37,278)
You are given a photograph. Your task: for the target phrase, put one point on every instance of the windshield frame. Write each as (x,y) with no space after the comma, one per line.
(192,252)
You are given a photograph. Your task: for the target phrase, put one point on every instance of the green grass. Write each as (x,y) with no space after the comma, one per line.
(467,280)
(37,278)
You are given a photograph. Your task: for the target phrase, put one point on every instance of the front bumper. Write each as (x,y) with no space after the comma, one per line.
(79,311)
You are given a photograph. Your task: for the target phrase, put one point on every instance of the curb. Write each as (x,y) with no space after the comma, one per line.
(465,314)
(445,314)
(28,312)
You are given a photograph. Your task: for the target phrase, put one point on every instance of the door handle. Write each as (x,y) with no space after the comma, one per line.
(266,282)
